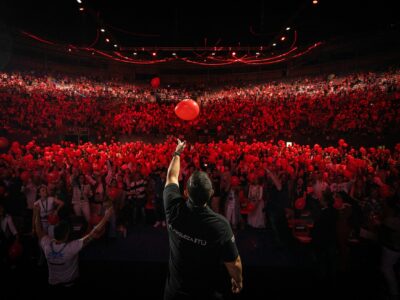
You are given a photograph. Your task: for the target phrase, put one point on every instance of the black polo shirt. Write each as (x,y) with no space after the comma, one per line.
(200,241)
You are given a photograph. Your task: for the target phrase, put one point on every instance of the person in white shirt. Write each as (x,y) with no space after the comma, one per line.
(62,254)
(340,185)
(319,186)
(256,218)
(48,206)
(232,206)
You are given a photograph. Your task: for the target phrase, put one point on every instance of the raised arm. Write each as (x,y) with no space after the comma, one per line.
(174,166)
(109,173)
(98,228)
(59,204)
(275,180)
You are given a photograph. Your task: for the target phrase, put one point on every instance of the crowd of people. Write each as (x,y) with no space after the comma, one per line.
(42,105)
(340,193)
(255,184)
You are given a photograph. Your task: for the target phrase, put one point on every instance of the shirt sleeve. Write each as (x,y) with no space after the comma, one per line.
(75,246)
(172,197)
(229,249)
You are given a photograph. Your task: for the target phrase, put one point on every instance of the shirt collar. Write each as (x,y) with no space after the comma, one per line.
(190,204)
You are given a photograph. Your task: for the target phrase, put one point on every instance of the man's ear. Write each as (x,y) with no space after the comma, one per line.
(211,193)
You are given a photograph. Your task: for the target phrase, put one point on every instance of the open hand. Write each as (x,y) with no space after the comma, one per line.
(236,286)
(181,145)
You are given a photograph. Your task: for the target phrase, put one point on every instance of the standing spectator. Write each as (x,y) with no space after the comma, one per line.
(275,210)
(216,198)
(138,192)
(256,218)
(30,189)
(48,206)
(232,205)
(81,192)
(62,254)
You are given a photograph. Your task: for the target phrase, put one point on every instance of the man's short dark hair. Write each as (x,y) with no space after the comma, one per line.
(199,188)
(61,230)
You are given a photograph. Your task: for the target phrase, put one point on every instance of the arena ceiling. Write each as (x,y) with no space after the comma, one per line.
(145,31)
(196,23)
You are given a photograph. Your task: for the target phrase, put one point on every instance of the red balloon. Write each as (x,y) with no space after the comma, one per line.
(385,191)
(3,142)
(338,203)
(187,110)
(290,170)
(28,157)
(25,175)
(149,204)
(155,82)
(250,207)
(15,145)
(95,219)
(300,204)
(347,174)
(15,250)
(235,181)
(53,219)
(251,177)
(113,193)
